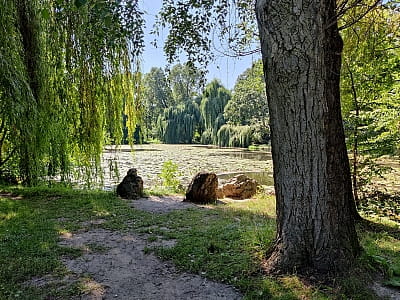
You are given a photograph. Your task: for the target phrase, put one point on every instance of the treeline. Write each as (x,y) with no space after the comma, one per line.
(177,110)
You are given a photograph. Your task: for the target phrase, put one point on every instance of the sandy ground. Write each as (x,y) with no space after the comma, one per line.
(123,271)
(118,267)
(163,204)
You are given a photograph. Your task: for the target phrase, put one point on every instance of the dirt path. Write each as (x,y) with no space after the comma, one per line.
(118,267)
(163,204)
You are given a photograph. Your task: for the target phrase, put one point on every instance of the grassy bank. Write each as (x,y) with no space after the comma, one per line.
(226,243)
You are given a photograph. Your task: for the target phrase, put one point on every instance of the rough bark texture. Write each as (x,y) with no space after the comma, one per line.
(301,50)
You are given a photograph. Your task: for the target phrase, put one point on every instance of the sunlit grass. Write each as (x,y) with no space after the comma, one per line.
(227,242)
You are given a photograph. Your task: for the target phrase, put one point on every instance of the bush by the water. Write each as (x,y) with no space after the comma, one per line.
(169,176)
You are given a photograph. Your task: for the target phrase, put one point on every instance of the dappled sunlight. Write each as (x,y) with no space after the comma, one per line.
(65,234)
(261,204)
(388,243)
(10,196)
(7,216)
(92,288)
(227,241)
(382,221)
(101,213)
(299,287)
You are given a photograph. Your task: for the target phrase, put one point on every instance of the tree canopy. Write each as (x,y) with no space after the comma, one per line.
(66,76)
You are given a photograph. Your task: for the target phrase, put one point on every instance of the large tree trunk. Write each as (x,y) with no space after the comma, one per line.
(301,50)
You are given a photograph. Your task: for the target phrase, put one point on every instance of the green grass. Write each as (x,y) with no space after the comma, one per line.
(224,242)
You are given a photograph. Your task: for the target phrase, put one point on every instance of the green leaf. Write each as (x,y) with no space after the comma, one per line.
(45,13)
(396,270)
(394,281)
(80,3)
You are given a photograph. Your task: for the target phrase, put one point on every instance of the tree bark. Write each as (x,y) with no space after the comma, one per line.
(301,49)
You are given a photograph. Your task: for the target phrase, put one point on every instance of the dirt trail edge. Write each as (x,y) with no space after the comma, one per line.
(120,269)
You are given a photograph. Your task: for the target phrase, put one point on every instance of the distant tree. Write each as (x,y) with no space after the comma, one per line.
(215,97)
(185,82)
(235,136)
(157,97)
(157,89)
(171,111)
(248,105)
(177,124)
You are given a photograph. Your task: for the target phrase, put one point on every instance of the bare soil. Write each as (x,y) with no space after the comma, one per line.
(163,204)
(115,266)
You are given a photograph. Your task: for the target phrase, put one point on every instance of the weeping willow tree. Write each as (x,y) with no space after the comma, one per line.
(178,124)
(235,136)
(66,77)
(212,105)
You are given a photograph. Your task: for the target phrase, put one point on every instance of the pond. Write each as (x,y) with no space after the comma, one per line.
(148,160)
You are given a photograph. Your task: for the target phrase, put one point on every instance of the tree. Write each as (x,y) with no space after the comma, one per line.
(301,50)
(248,105)
(157,97)
(177,124)
(184,81)
(212,105)
(369,83)
(171,112)
(65,73)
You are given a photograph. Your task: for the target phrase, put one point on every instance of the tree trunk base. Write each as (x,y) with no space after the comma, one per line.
(285,261)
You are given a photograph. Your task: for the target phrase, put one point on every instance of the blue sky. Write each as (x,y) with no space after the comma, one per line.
(224,68)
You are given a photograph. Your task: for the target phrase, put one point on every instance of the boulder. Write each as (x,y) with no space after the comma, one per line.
(131,186)
(240,187)
(203,188)
(220,193)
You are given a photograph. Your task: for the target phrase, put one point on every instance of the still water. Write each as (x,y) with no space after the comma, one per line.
(148,160)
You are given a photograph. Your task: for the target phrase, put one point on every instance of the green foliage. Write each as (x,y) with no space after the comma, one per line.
(234,136)
(65,79)
(169,176)
(177,124)
(213,102)
(242,136)
(171,114)
(381,254)
(185,82)
(379,203)
(157,97)
(248,105)
(191,23)
(369,90)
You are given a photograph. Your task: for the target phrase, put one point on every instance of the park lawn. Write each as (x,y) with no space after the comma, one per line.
(226,243)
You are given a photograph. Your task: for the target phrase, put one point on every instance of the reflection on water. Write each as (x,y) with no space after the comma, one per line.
(148,160)
(247,154)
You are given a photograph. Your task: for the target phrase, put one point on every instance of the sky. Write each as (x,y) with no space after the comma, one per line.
(226,69)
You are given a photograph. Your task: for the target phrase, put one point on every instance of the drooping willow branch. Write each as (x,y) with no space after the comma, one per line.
(68,79)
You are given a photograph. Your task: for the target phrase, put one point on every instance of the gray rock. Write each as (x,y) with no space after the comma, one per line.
(131,186)
(203,188)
